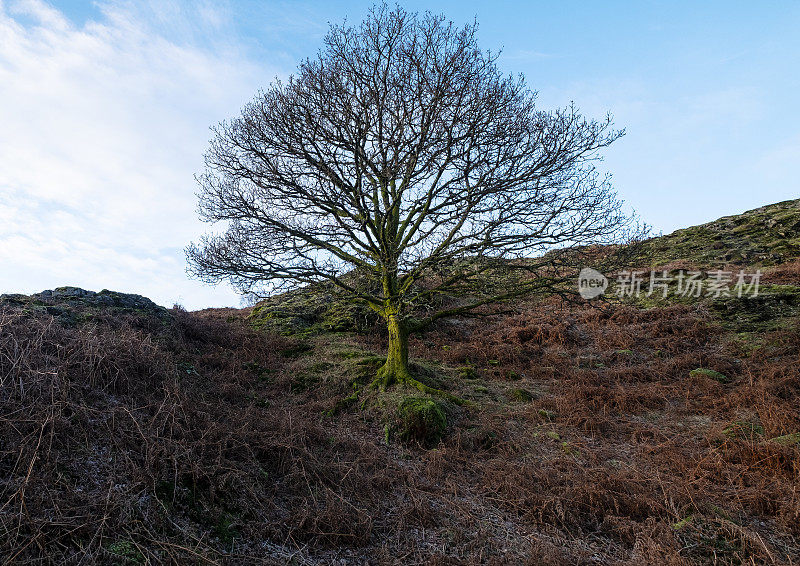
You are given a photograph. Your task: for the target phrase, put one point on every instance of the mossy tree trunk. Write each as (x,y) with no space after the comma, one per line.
(396,367)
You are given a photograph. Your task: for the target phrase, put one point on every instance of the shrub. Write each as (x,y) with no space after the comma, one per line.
(420,419)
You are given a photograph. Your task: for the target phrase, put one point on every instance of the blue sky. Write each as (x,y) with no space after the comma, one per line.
(105,109)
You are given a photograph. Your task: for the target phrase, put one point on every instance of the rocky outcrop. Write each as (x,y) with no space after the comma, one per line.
(104,298)
(62,300)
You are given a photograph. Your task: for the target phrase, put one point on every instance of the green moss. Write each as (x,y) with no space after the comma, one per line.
(743,429)
(568,449)
(312,310)
(364,370)
(420,419)
(520,395)
(787,439)
(547,415)
(467,372)
(347,354)
(125,552)
(711,374)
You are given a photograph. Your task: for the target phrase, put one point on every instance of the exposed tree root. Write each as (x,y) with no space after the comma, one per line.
(386,378)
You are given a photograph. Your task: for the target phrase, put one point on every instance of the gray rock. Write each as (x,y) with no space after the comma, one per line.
(69,292)
(105,298)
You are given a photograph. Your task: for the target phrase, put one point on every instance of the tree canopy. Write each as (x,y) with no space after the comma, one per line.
(401,152)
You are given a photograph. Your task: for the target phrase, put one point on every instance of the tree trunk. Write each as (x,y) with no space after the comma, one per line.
(396,367)
(395,370)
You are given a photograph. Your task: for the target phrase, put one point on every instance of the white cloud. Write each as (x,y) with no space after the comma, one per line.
(102,127)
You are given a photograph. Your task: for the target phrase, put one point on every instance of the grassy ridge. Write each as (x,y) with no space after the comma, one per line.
(769,235)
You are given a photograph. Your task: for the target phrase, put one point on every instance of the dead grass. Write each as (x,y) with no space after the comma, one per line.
(193,439)
(641,442)
(784,274)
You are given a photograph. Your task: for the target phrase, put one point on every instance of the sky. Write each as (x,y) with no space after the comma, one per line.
(106,109)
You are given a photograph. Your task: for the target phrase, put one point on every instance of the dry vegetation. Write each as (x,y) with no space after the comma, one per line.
(135,438)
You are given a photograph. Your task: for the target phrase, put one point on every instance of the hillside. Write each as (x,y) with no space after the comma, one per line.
(769,235)
(615,432)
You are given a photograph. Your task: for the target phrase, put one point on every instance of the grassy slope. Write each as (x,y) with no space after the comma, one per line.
(130,435)
(769,235)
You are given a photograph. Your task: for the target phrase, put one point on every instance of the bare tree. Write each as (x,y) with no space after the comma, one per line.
(401,153)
